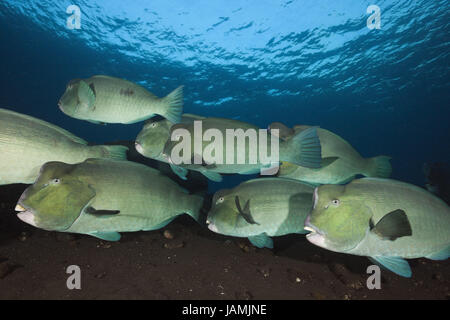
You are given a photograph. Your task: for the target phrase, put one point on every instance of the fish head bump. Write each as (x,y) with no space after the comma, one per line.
(78,99)
(56,199)
(225,218)
(151,140)
(338,221)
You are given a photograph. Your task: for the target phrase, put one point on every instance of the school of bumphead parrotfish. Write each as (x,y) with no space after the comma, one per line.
(95,190)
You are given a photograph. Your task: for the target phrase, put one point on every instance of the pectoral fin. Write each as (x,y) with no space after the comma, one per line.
(393,225)
(101,213)
(246,212)
(261,241)
(395,264)
(107,236)
(179,171)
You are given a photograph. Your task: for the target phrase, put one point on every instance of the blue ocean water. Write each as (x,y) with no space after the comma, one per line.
(384,90)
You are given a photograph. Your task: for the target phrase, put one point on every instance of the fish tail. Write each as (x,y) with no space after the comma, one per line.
(173,105)
(112,152)
(306,148)
(378,167)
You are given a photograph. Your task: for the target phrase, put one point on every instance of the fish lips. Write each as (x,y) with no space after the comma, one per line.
(213,228)
(211,225)
(139,147)
(316,236)
(25,214)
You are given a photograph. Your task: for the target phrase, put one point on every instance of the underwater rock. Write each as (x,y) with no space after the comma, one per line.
(265,271)
(174,245)
(104,245)
(169,235)
(23,236)
(245,247)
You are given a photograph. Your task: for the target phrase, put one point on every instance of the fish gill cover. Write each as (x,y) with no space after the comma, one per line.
(385,90)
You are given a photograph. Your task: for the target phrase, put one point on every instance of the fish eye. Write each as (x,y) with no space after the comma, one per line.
(153,124)
(335,202)
(220,200)
(56,181)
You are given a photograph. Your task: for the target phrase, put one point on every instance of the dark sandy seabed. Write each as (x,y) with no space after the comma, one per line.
(195,264)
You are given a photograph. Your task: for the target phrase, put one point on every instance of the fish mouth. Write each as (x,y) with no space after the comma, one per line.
(213,228)
(24,214)
(19,208)
(60,106)
(316,236)
(139,147)
(312,228)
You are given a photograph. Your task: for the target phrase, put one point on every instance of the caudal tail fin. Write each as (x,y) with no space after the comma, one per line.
(305,149)
(173,104)
(111,152)
(378,167)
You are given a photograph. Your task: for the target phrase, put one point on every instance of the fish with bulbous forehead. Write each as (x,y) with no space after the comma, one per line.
(151,140)
(383,219)
(303,149)
(104,99)
(261,208)
(104,197)
(26,143)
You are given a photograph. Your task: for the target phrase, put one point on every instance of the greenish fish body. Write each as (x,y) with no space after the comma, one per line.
(153,137)
(104,197)
(26,143)
(384,219)
(340,162)
(261,208)
(104,99)
(303,149)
